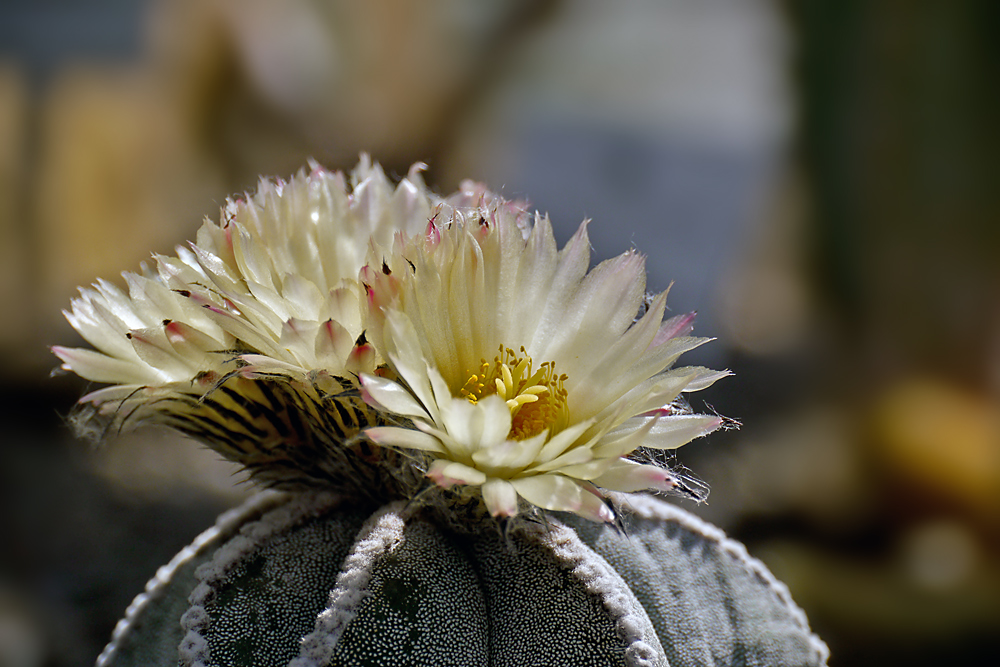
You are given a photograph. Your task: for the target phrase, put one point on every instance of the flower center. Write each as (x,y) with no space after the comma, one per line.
(537,399)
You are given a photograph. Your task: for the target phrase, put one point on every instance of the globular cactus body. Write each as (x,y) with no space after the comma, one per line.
(455,407)
(312,580)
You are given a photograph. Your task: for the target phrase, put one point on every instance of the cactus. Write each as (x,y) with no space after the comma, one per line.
(425,505)
(313,580)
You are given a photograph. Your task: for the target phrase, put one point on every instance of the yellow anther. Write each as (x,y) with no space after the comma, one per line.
(536,400)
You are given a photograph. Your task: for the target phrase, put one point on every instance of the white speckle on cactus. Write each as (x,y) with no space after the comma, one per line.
(205,544)
(419,605)
(659,512)
(252,537)
(411,591)
(599,579)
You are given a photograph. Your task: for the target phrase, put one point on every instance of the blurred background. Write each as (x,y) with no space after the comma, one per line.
(816,177)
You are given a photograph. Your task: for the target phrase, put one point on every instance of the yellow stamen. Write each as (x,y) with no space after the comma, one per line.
(537,401)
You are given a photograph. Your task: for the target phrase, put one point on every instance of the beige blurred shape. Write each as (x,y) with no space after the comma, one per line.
(22,636)
(130,157)
(940,554)
(278,81)
(764,301)
(116,176)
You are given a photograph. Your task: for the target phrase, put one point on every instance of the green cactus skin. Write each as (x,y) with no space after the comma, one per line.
(310,580)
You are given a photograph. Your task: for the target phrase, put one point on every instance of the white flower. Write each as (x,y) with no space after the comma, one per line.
(489,359)
(524,374)
(270,292)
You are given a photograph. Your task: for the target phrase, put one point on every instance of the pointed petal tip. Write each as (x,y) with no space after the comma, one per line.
(675,327)
(500,498)
(595,506)
(447,474)
(389,396)
(394,436)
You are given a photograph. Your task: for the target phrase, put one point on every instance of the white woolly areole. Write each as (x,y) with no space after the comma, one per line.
(647,507)
(193,650)
(225,524)
(632,625)
(380,535)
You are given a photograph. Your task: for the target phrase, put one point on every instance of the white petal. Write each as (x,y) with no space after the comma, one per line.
(442,394)
(448,473)
(511,455)
(192,344)
(98,367)
(561,441)
(658,391)
(588,470)
(260,363)
(500,497)
(562,494)
(653,361)
(153,348)
(497,420)
(333,344)
(391,397)
(668,432)
(571,457)
(408,360)
(117,393)
(595,508)
(601,308)
(404,437)
(574,260)
(675,327)
(552,492)
(247,332)
(629,476)
(704,378)
(616,444)
(463,423)
(298,339)
(302,295)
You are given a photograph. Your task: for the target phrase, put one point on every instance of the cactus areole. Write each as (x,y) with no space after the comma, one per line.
(455,424)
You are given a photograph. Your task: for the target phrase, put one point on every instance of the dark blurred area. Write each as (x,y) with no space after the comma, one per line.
(815,177)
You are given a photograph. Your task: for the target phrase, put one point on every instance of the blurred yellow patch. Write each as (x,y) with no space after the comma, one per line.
(945,439)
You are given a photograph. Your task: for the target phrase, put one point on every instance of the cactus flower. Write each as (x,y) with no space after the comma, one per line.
(496,362)
(250,339)
(526,375)
(400,366)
